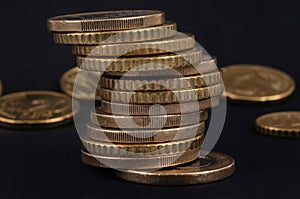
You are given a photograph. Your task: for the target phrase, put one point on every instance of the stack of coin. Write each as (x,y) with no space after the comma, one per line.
(155,88)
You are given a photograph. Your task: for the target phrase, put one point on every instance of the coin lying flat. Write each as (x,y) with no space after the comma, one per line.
(31,109)
(213,167)
(256,83)
(143,63)
(280,124)
(165,30)
(180,42)
(144,136)
(161,97)
(144,109)
(152,122)
(152,162)
(106,20)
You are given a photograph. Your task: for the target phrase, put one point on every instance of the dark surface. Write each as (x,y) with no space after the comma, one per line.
(46,164)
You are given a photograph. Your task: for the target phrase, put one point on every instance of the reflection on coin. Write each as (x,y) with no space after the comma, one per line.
(151,162)
(256,83)
(106,20)
(213,167)
(280,124)
(32,109)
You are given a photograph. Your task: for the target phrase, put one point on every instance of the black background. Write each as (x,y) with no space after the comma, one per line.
(46,164)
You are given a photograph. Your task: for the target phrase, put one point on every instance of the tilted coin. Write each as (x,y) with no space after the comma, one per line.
(106,20)
(161,97)
(213,167)
(256,83)
(140,150)
(158,84)
(165,30)
(143,63)
(180,42)
(144,109)
(153,121)
(144,136)
(150,162)
(32,109)
(280,124)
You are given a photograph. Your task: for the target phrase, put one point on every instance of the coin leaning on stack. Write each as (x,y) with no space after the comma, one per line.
(155,88)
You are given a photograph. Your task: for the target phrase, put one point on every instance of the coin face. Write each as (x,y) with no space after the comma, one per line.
(256,83)
(31,109)
(280,124)
(213,167)
(106,20)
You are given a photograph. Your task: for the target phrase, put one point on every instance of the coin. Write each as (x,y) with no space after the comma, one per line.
(86,83)
(143,63)
(35,109)
(143,109)
(1,88)
(180,42)
(165,30)
(106,20)
(213,167)
(140,150)
(280,124)
(158,84)
(161,97)
(256,83)
(144,136)
(153,122)
(140,163)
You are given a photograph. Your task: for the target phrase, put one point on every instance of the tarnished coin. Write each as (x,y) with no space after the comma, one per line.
(144,109)
(165,30)
(255,83)
(180,42)
(144,136)
(161,97)
(280,124)
(35,109)
(140,150)
(147,122)
(151,162)
(86,83)
(213,167)
(106,20)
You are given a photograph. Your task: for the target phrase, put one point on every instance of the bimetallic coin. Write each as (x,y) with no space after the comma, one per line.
(140,150)
(144,109)
(144,136)
(134,35)
(151,162)
(213,167)
(255,83)
(35,109)
(146,122)
(106,20)
(180,42)
(280,124)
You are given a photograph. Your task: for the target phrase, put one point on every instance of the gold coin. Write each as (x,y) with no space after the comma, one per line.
(144,136)
(213,167)
(140,163)
(153,122)
(134,35)
(161,97)
(256,83)
(180,42)
(159,84)
(140,150)
(146,63)
(32,109)
(86,81)
(280,124)
(106,20)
